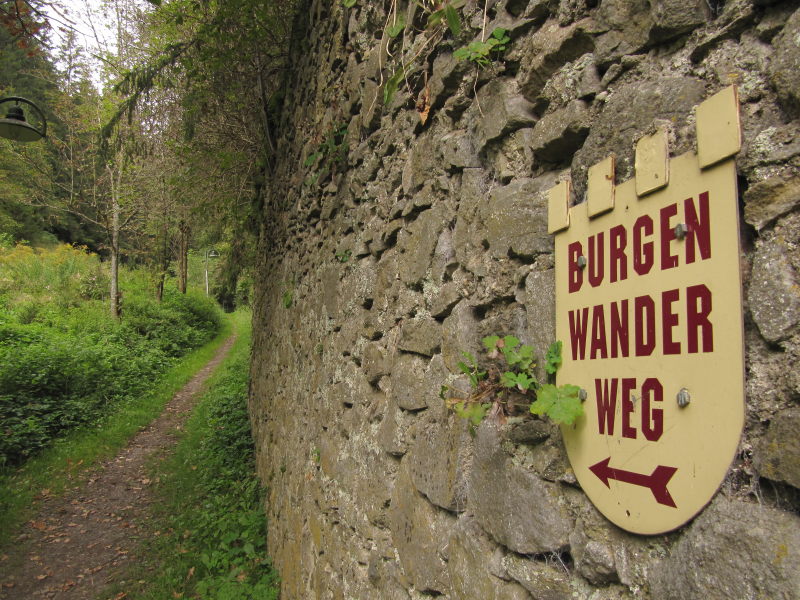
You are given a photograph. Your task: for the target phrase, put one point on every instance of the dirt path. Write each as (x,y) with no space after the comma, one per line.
(80,542)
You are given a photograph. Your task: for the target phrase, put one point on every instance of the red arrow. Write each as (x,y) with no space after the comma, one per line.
(657,481)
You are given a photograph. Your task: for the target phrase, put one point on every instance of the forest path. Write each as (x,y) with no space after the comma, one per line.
(81,542)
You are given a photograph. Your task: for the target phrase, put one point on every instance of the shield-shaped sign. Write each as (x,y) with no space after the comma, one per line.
(649,309)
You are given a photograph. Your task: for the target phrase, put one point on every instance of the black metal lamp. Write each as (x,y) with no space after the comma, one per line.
(15,127)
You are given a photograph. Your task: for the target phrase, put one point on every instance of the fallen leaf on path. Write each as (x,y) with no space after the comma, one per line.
(40,577)
(40,525)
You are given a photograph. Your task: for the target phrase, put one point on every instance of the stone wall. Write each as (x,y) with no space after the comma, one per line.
(394,252)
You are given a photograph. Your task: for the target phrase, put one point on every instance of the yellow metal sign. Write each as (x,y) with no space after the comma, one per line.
(649,309)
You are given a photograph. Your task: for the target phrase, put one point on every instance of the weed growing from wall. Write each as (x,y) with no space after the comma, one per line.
(509,382)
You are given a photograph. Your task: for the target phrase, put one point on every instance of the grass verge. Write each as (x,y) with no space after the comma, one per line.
(207,534)
(63,465)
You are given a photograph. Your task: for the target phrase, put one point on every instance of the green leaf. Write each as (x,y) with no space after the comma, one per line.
(500,35)
(312,158)
(394,30)
(511,341)
(566,410)
(453,20)
(461,54)
(434,18)
(464,368)
(490,342)
(390,87)
(349,3)
(561,404)
(546,397)
(553,358)
(524,381)
(508,379)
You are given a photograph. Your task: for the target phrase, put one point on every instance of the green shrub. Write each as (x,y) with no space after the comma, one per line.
(64,361)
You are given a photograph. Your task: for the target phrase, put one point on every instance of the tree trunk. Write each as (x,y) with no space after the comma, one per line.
(115,212)
(183,257)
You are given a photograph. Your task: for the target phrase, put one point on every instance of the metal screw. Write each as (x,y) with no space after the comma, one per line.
(582,262)
(684,398)
(680,231)
(583,395)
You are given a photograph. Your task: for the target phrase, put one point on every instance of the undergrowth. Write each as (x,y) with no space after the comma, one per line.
(64,361)
(208,536)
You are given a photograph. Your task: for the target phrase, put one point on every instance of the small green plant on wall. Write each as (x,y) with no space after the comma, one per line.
(482,53)
(329,156)
(509,382)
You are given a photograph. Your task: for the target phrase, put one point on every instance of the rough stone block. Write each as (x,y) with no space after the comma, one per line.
(445,299)
(783,68)
(672,18)
(469,550)
(457,150)
(516,219)
(408,371)
(777,455)
(774,293)
(420,534)
(421,336)
(733,549)
(393,432)
(545,581)
(503,111)
(517,508)
(441,457)
(767,200)
(549,49)
(419,243)
(458,335)
(560,134)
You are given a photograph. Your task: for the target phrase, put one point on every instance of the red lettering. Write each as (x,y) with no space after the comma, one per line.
(578,321)
(596,259)
(644,318)
(619,262)
(669,319)
(574,250)
(619,329)
(668,261)
(642,252)
(652,420)
(598,333)
(628,385)
(698,307)
(606,405)
(699,230)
